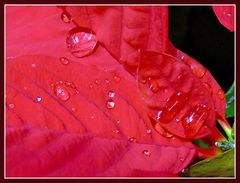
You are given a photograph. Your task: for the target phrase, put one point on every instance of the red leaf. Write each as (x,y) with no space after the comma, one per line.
(225,15)
(123,30)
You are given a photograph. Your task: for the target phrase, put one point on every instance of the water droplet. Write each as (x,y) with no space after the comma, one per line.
(179,76)
(66,18)
(11,106)
(132,139)
(177,119)
(92,117)
(64,60)
(107,81)
(81,43)
(34,65)
(153,85)
(198,71)
(220,94)
(182,57)
(61,92)
(70,84)
(228,14)
(146,153)
(181,159)
(111,94)
(117,131)
(162,131)
(73,109)
(110,104)
(96,82)
(194,119)
(149,131)
(185,171)
(173,106)
(90,86)
(118,122)
(38,99)
(208,87)
(116,78)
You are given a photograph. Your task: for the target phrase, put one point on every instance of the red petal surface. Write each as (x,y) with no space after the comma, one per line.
(225,15)
(52,134)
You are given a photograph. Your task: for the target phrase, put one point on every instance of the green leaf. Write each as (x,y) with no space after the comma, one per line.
(230,99)
(201,143)
(221,165)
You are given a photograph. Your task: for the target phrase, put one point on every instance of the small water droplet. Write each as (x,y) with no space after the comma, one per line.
(132,139)
(149,131)
(185,171)
(73,109)
(61,92)
(34,65)
(179,76)
(90,86)
(220,94)
(92,117)
(173,138)
(181,159)
(198,71)
(11,106)
(228,14)
(70,84)
(117,131)
(182,57)
(177,119)
(96,82)
(153,85)
(38,99)
(147,153)
(65,18)
(139,50)
(110,104)
(111,94)
(64,60)
(81,43)
(116,78)
(118,122)
(107,81)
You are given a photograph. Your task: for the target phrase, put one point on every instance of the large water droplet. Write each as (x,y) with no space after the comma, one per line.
(38,99)
(194,119)
(198,71)
(64,60)
(81,43)
(173,106)
(65,18)
(110,104)
(61,92)
(220,94)
(111,94)
(132,139)
(147,153)
(11,106)
(116,78)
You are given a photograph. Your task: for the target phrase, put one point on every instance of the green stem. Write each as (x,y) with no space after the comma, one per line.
(227,129)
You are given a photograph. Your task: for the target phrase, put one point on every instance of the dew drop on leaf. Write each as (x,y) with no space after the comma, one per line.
(132,139)
(61,92)
(220,94)
(81,43)
(146,152)
(64,60)
(38,99)
(11,106)
(111,94)
(65,18)
(116,78)
(110,104)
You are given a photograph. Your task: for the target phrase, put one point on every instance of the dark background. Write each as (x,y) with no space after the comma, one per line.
(196,31)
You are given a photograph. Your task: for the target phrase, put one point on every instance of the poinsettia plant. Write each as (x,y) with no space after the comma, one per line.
(100,91)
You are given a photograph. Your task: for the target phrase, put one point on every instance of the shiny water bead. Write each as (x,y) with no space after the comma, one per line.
(107,81)
(148,131)
(181,159)
(116,78)
(81,43)
(66,18)
(61,92)
(110,104)
(194,119)
(64,60)
(117,131)
(118,122)
(111,94)
(33,65)
(96,82)
(132,139)
(38,99)
(173,106)
(220,94)
(92,117)
(11,106)
(147,152)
